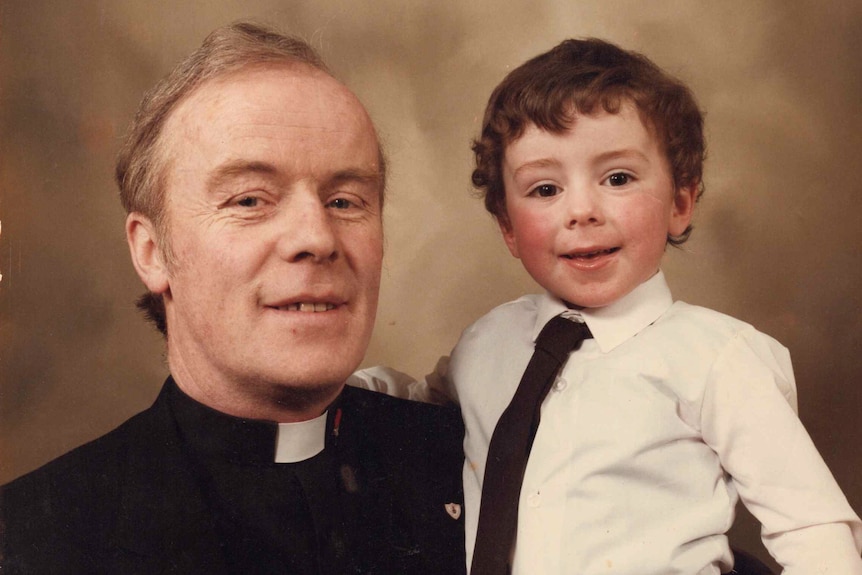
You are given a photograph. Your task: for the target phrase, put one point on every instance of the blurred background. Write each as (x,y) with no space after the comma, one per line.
(777,238)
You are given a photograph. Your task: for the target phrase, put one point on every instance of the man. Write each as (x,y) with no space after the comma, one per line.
(253,182)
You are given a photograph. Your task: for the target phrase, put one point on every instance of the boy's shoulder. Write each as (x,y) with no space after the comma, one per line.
(522,309)
(685,317)
(511,320)
(706,333)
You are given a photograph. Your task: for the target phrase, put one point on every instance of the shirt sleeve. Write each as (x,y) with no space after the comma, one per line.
(749,419)
(434,388)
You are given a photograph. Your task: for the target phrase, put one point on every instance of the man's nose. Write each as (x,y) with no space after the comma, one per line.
(307,231)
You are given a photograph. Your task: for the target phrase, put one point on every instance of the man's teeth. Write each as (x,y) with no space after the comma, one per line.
(308,307)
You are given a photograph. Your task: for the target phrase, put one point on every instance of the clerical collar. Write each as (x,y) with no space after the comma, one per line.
(211,433)
(299,441)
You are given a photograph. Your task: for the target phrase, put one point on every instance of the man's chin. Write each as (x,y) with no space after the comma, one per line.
(304,397)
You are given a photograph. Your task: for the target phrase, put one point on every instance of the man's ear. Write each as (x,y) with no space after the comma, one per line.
(508,234)
(147,258)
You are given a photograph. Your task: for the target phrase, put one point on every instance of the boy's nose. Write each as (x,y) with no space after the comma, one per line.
(583,207)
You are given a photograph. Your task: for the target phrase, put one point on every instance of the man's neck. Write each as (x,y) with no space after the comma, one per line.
(255,400)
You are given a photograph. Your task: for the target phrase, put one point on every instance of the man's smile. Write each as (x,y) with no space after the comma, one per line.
(308,307)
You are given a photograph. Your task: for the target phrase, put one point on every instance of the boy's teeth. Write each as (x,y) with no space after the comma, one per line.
(591,254)
(308,307)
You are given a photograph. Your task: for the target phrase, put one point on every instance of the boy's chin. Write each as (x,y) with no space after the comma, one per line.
(591,300)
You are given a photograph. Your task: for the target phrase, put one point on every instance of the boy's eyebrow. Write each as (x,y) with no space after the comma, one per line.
(625,153)
(620,154)
(533,164)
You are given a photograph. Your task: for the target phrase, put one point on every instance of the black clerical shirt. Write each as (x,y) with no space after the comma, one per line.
(182,489)
(271,517)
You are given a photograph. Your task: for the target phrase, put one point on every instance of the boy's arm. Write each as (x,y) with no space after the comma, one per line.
(749,419)
(435,388)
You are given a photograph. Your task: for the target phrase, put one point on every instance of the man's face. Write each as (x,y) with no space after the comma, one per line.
(274,216)
(590,209)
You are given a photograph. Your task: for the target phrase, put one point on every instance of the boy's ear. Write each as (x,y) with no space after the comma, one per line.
(146,255)
(682,209)
(508,235)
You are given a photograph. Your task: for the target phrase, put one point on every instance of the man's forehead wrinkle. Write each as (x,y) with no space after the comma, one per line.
(253,128)
(269,123)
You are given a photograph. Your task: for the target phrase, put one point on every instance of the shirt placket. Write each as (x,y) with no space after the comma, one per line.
(542,507)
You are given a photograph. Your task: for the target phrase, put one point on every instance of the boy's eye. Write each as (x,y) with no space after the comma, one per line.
(546,190)
(619,179)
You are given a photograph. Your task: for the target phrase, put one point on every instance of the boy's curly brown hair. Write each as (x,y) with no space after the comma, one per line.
(573,78)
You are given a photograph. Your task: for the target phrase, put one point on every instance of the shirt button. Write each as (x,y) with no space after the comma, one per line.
(534,500)
(560,384)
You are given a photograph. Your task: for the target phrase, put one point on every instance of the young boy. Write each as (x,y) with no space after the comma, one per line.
(590,159)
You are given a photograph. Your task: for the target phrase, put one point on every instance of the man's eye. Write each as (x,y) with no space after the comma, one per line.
(619,179)
(341,203)
(546,190)
(248,202)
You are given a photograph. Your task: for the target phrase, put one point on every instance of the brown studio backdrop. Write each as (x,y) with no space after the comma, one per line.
(776,241)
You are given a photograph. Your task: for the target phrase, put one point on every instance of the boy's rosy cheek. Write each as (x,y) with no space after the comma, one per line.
(526,236)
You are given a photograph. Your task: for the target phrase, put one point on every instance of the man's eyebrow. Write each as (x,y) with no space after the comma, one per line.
(234,168)
(366,177)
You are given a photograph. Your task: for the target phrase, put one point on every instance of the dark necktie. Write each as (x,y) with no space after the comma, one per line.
(511,443)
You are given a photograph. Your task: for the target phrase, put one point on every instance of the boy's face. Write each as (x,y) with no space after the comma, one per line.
(590,208)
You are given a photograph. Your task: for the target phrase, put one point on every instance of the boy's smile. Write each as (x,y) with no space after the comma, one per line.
(589,209)
(590,258)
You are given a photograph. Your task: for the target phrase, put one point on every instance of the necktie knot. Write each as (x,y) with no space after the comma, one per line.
(561,336)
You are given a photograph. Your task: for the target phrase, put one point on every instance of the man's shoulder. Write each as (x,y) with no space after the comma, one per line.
(67,506)
(416,437)
(92,461)
(407,457)
(382,413)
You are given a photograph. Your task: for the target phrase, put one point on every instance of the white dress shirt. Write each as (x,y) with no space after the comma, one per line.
(649,436)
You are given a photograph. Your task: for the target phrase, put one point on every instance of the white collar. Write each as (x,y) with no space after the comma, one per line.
(299,441)
(613,324)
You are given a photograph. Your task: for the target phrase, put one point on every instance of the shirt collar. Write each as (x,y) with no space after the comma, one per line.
(299,441)
(614,324)
(211,433)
